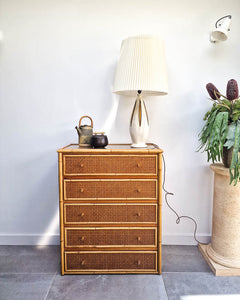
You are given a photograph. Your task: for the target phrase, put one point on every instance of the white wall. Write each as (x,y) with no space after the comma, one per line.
(57,63)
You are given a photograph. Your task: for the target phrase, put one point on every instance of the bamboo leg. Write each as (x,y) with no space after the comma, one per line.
(159,213)
(61,210)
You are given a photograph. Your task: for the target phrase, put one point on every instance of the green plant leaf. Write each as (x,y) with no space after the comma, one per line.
(230,138)
(222,129)
(218,136)
(229,144)
(235,163)
(231,131)
(205,133)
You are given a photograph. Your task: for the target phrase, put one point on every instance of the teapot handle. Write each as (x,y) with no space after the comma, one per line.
(86,117)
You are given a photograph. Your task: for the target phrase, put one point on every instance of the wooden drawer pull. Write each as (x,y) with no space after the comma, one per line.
(138,214)
(82,238)
(82,165)
(139,238)
(138,190)
(81,190)
(81,214)
(138,165)
(139,262)
(83,262)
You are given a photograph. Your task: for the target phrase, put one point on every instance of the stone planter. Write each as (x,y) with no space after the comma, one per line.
(224,249)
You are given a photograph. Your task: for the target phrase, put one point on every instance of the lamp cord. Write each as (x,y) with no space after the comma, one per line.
(177,215)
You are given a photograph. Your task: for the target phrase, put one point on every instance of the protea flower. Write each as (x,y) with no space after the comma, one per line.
(212,91)
(232,90)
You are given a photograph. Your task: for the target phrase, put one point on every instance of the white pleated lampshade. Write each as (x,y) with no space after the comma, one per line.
(142,67)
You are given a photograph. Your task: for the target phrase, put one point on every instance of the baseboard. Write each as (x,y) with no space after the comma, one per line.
(53,239)
(29,239)
(184,239)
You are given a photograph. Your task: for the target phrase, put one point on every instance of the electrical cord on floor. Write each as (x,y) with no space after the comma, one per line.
(177,215)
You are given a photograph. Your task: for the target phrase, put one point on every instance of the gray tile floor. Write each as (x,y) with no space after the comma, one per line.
(28,272)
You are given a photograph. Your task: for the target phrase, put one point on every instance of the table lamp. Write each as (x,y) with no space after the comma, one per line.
(141,71)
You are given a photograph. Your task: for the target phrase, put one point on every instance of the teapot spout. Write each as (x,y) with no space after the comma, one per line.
(78,130)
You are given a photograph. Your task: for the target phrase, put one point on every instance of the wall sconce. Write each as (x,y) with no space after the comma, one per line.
(220,33)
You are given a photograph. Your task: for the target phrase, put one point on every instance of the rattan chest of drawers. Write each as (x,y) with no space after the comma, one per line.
(110,209)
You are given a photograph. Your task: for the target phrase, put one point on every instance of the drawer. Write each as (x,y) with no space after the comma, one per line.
(110,213)
(127,261)
(110,165)
(85,189)
(110,237)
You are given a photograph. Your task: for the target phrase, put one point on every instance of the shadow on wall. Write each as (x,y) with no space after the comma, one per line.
(122,120)
(39,196)
(111,116)
(104,109)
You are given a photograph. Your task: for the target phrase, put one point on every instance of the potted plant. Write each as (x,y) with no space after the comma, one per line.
(220,136)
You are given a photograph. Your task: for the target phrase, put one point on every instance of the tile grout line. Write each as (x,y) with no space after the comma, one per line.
(171,272)
(50,285)
(165,287)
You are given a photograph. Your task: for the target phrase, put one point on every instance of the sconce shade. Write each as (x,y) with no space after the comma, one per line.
(220,34)
(142,67)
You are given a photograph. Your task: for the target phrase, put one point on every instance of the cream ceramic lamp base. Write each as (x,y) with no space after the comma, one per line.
(139,124)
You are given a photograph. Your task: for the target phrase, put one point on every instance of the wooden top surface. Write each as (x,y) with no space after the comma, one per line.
(151,148)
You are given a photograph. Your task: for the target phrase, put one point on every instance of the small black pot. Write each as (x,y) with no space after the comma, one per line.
(99,140)
(227,156)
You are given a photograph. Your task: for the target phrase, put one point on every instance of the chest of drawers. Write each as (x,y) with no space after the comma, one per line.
(110,209)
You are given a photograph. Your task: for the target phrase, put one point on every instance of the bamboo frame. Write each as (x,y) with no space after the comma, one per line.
(77,149)
(73,150)
(115,180)
(114,204)
(113,271)
(61,211)
(111,228)
(110,174)
(159,213)
(96,271)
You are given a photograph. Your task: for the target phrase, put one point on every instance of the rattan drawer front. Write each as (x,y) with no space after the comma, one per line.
(111,261)
(110,213)
(110,237)
(110,164)
(110,189)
